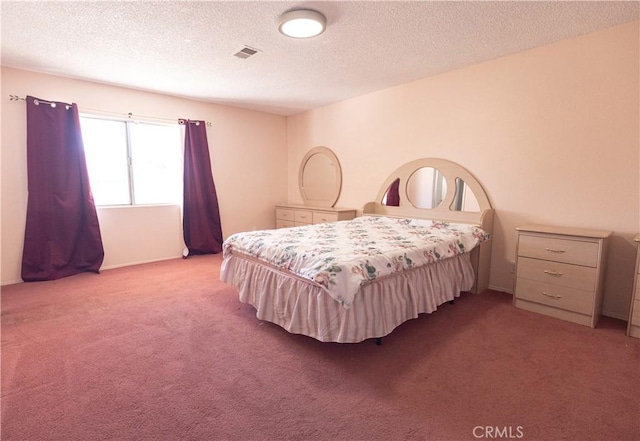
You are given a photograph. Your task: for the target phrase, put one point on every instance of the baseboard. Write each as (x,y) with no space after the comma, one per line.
(141,262)
(106,268)
(11,282)
(501,289)
(614,315)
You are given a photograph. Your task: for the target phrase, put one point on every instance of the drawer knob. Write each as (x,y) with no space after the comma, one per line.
(555,250)
(553,296)
(553,273)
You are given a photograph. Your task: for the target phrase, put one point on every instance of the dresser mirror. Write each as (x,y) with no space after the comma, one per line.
(427,188)
(320,178)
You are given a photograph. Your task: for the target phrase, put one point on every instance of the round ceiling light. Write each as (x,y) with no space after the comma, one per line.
(302,23)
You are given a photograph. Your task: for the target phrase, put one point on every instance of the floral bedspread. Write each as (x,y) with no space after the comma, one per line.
(340,256)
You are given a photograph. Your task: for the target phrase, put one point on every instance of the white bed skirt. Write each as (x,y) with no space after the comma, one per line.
(302,307)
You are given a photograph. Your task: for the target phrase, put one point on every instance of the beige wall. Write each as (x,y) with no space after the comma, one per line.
(248,155)
(551,133)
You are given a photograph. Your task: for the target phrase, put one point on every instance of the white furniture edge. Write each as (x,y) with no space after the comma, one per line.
(632,330)
(566,231)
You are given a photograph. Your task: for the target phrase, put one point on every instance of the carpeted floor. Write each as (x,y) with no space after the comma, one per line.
(165,351)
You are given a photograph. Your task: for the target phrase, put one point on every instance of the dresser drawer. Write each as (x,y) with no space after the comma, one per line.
(575,252)
(284,214)
(556,273)
(302,217)
(280,223)
(320,217)
(557,296)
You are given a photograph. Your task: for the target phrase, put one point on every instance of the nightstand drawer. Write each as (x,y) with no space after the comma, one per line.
(302,217)
(283,214)
(556,273)
(575,252)
(320,217)
(280,223)
(561,297)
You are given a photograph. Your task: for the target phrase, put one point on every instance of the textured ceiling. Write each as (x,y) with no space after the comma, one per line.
(186,48)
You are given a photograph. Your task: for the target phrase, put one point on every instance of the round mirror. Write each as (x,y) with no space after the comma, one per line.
(320,178)
(426,188)
(464,199)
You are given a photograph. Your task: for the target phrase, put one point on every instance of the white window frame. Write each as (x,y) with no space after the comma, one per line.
(130,172)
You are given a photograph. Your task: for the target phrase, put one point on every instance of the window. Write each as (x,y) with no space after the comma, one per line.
(133,163)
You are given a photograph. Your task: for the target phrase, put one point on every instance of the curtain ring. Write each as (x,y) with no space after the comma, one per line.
(36,102)
(53,105)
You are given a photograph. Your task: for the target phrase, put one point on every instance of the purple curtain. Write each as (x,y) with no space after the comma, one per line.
(201,217)
(62,235)
(393,194)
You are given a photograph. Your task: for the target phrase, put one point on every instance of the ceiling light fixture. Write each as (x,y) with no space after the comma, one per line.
(302,23)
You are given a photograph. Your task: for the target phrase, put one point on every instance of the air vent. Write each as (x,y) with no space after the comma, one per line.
(246,52)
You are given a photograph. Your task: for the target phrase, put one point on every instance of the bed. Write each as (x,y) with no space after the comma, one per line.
(348,281)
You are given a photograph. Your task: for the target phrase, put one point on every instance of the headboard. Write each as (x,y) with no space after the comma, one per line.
(454,195)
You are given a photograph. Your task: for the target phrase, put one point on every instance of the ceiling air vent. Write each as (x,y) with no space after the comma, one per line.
(246,52)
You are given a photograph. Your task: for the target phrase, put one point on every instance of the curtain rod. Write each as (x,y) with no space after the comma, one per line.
(129,115)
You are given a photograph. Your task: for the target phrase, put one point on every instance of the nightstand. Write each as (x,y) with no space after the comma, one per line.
(560,272)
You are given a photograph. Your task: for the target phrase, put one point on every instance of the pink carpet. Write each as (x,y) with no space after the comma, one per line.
(165,351)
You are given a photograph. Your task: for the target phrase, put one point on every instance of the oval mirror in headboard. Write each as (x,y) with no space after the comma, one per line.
(426,187)
(320,178)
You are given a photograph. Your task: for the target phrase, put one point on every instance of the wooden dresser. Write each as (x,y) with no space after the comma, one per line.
(291,215)
(634,312)
(560,272)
